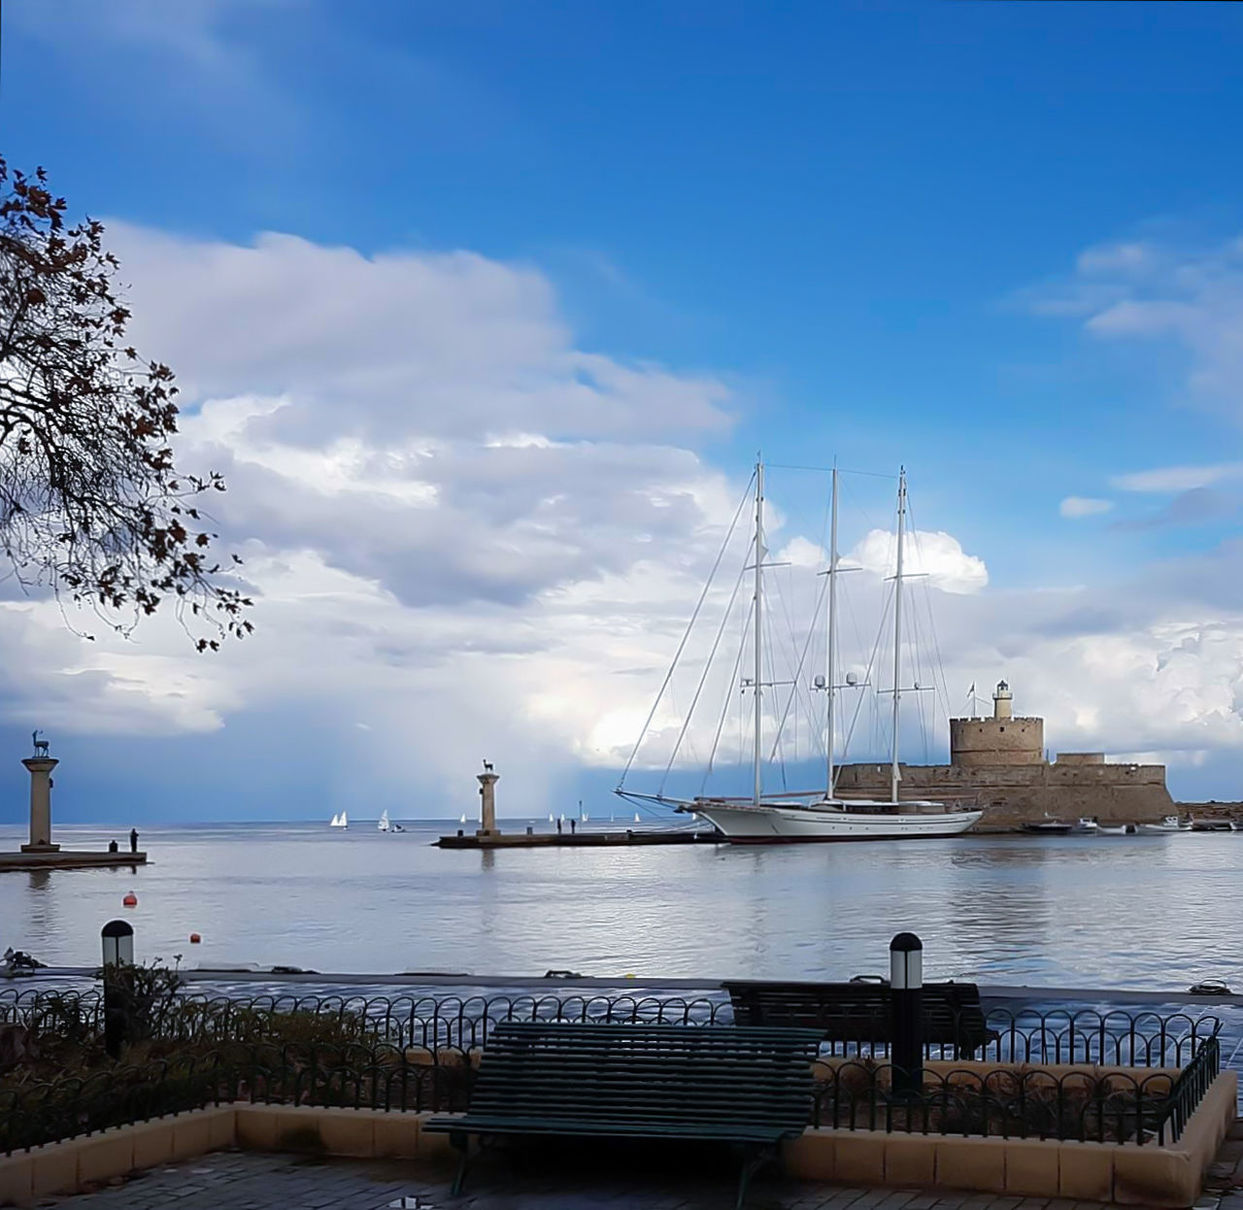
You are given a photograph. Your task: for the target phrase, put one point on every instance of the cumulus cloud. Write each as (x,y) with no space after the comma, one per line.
(1083,506)
(465,529)
(931,553)
(409,344)
(459,523)
(1121,678)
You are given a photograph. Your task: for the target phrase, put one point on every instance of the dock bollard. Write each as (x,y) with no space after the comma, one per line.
(906,993)
(118,943)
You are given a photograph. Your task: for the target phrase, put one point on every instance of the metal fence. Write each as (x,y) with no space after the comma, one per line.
(414,1053)
(1086,1103)
(1013,1035)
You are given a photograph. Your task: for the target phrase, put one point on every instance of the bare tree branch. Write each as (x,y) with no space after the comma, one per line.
(90,500)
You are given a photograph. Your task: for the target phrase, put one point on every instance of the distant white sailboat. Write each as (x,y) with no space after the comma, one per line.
(339,821)
(462,819)
(550,818)
(636,817)
(583,817)
(384,824)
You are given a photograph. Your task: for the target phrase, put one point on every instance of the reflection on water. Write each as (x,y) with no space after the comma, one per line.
(1144,911)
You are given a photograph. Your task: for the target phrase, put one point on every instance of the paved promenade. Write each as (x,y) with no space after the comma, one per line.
(247,1181)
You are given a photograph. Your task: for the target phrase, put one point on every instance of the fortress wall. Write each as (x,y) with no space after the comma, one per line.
(978,742)
(1080,758)
(1014,794)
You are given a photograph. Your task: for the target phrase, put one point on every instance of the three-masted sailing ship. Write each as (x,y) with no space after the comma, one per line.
(822,816)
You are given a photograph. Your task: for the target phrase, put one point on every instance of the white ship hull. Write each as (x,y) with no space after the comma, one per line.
(774,823)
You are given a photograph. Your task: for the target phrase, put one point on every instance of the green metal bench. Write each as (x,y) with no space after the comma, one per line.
(747,1086)
(860,1012)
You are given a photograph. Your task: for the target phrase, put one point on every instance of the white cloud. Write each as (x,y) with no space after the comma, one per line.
(460,525)
(1170,687)
(803,553)
(1083,506)
(1120,257)
(393,346)
(1177,478)
(1190,296)
(931,553)
(466,530)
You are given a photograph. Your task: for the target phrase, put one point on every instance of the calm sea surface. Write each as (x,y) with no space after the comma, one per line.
(1134,912)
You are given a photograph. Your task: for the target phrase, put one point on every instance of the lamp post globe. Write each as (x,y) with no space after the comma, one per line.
(118,943)
(906,962)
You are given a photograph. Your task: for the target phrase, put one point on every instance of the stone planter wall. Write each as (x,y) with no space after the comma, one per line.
(1152,1176)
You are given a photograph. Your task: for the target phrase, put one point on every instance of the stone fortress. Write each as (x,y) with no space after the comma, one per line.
(1000,765)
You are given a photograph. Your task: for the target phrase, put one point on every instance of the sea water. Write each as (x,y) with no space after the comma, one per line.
(1155,912)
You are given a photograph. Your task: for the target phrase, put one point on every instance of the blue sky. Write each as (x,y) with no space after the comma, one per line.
(996,242)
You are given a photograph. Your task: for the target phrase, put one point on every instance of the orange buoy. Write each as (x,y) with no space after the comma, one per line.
(130,900)
(195,938)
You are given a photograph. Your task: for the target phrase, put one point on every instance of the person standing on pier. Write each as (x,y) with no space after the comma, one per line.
(133,840)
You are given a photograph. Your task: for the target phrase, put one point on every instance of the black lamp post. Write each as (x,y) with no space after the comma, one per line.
(118,942)
(906,993)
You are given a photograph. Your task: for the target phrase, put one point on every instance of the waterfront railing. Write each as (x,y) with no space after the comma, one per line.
(1030,1035)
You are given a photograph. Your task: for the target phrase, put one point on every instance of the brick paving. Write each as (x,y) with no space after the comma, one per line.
(235,1180)
(633,1179)
(1224,1182)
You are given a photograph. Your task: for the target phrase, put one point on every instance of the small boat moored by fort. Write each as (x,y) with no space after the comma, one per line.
(1049,827)
(1170,823)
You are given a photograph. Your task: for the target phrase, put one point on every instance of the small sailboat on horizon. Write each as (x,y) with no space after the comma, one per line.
(339,821)
(384,825)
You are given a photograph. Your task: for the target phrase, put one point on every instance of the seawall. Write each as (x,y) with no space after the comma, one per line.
(1011,795)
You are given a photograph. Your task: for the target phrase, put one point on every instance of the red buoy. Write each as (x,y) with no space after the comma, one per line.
(130,900)
(195,938)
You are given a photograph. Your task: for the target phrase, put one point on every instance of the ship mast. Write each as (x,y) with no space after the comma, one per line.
(757,787)
(831,669)
(895,775)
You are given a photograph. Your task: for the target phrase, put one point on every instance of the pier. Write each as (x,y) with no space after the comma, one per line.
(489,836)
(40,853)
(70,859)
(495,839)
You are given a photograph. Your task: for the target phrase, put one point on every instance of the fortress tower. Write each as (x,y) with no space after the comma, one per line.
(977,743)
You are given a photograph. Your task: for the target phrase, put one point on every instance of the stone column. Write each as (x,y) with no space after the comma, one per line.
(487,813)
(40,804)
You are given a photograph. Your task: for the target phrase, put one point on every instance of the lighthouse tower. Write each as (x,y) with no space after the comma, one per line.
(1001,740)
